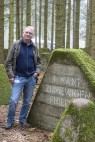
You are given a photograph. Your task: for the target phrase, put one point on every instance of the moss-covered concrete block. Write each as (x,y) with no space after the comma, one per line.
(5,86)
(70,74)
(77,123)
(44,50)
(45,56)
(78,58)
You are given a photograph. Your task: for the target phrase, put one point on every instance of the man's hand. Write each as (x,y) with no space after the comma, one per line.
(11,80)
(35,74)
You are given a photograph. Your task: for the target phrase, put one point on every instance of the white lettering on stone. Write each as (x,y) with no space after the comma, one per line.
(57,101)
(67,80)
(69,92)
(54,90)
(70,81)
(77,93)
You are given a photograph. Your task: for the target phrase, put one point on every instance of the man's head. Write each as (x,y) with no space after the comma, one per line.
(28,33)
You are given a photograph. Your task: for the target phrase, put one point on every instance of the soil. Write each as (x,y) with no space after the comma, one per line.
(17,133)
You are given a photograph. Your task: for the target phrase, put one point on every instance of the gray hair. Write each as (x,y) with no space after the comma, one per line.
(29,27)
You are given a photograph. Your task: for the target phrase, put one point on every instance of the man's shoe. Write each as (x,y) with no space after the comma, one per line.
(7,126)
(25,124)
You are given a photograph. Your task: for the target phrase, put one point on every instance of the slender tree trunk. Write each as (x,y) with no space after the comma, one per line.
(52,24)
(87,25)
(17,20)
(1,31)
(45,23)
(74,10)
(36,22)
(93,30)
(11,23)
(28,13)
(59,24)
(64,20)
(90,28)
(40,8)
(21,31)
(77,21)
(68,24)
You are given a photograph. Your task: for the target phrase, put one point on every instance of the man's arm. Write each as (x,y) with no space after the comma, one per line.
(9,62)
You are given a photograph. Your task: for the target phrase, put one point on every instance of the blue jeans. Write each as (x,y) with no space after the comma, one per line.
(25,85)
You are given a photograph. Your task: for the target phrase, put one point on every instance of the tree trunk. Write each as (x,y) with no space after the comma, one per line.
(11,23)
(36,22)
(74,9)
(21,30)
(52,27)
(17,20)
(87,25)
(45,23)
(1,31)
(93,30)
(90,29)
(77,21)
(64,20)
(28,13)
(68,24)
(59,27)
(40,12)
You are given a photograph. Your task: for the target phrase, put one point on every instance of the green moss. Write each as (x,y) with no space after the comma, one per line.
(5,86)
(82,124)
(44,50)
(78,58)
(46,55)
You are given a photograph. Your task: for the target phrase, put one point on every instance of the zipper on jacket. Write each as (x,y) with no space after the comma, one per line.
(27,60)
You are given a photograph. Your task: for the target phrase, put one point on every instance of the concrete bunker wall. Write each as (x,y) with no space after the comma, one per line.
(63,81)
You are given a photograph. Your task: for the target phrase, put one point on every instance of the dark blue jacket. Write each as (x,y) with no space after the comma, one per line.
(13,55)
(25,61)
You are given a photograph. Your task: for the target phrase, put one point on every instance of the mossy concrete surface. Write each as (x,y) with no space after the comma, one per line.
(77,123)
(5,86)
(78,58)
(59,86)
(45,56)
(44,50)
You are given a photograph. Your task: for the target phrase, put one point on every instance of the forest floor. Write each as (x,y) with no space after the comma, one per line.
(18,133)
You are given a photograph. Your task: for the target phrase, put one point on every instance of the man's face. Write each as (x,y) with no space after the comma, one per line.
(27,34)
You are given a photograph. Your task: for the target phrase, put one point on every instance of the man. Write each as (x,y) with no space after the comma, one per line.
(23,67)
